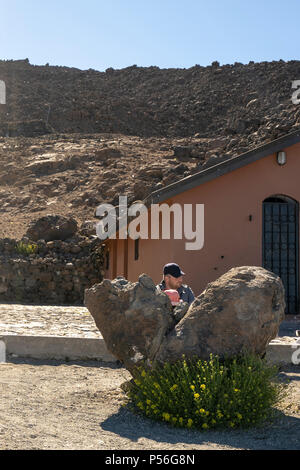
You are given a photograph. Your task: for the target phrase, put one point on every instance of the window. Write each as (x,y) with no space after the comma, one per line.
(107,260)
(136,249)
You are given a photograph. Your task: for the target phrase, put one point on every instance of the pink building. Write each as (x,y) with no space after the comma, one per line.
(251,206)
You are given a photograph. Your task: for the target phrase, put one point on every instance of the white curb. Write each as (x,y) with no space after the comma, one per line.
(57,347)
(72,348)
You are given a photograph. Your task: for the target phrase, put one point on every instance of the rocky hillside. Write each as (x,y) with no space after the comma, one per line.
(72,139)
(149,101)
(72,174)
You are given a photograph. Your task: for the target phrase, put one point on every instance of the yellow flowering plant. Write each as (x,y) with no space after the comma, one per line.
(26,248)
(204,394)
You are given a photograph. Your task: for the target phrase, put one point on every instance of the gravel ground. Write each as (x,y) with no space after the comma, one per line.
(56,405)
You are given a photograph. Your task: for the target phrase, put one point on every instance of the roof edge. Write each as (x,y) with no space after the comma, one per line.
(212,172)
(221,168)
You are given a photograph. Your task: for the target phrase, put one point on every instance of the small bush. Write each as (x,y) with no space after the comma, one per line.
(200,394)
(26,248)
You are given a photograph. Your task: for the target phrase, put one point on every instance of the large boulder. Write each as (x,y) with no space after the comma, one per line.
(133,318)
(241,311)
(52,227)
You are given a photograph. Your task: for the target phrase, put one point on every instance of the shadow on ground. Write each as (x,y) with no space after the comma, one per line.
(282,434)
(291,372)
(66,362)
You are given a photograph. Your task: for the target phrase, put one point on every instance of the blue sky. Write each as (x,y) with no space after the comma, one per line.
(167,33)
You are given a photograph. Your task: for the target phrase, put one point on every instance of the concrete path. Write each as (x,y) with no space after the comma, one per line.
(47,320)
(70,333)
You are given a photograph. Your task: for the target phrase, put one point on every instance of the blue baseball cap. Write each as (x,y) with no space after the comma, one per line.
(173,269)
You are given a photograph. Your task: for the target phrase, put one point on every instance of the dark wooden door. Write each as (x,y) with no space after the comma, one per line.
(280,246)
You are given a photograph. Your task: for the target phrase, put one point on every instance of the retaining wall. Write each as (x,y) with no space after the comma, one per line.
(57,273)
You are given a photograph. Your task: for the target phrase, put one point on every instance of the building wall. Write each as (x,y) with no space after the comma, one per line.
(230,238)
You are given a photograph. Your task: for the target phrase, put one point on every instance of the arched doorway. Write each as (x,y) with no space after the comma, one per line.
(280,245)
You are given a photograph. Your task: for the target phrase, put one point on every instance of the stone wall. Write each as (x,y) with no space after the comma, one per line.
(57,273)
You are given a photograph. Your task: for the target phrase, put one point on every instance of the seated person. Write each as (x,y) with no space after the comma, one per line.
(173,280)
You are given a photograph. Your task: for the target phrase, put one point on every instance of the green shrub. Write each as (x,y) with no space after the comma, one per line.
(26,248)
(218,393)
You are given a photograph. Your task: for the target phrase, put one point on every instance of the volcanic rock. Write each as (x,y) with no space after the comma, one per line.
(239,312)
(52,227)
(133,318)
